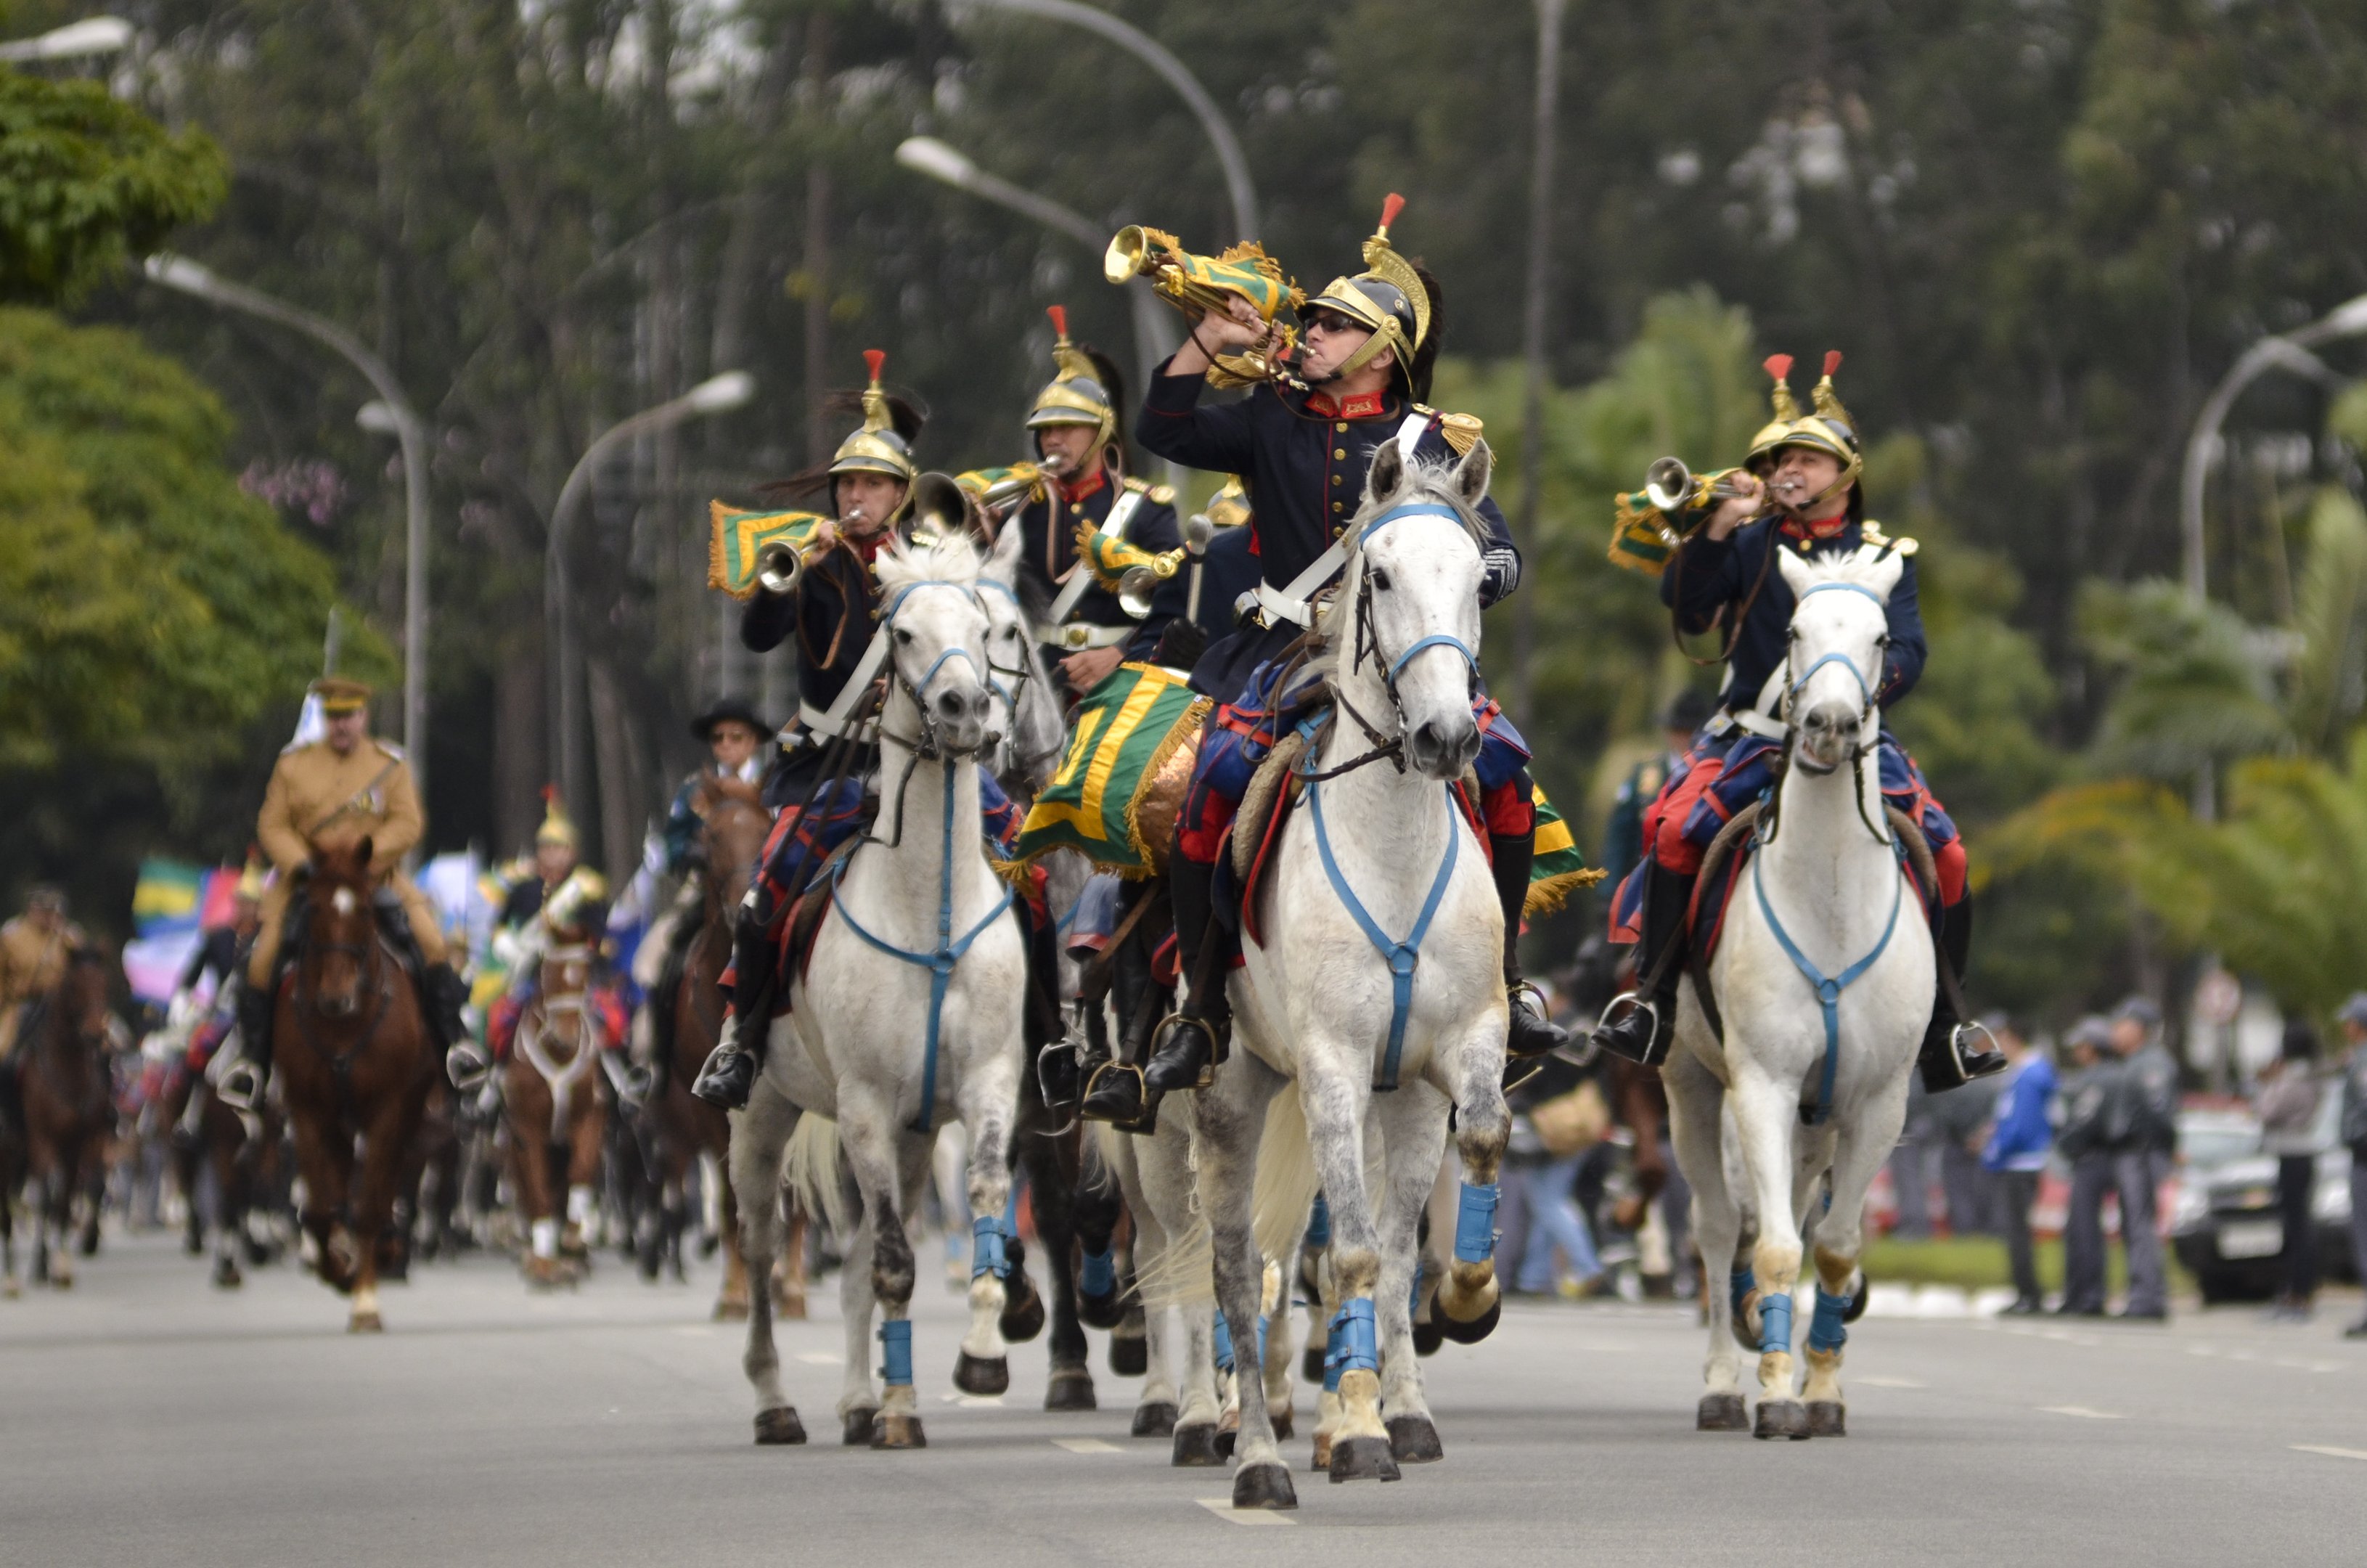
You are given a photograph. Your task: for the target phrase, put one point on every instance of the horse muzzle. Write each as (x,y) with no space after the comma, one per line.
(1443,748)
(959,718)
(1827,734)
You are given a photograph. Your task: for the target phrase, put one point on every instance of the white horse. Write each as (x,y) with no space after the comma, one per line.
(1823,978)
(1381,969)
(912,1014)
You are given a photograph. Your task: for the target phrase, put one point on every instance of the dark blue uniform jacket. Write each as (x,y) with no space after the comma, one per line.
(1048,548)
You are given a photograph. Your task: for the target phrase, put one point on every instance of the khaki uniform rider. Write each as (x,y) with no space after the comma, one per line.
(33,949)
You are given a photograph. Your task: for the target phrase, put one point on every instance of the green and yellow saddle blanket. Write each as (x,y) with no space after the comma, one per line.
(1119,788)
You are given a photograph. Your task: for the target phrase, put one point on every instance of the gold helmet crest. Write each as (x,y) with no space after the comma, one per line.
(878,447)
(557,827)
(1829,428)
(1388,297)
(1075,394)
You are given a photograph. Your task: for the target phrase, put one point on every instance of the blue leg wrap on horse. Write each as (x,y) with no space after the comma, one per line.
(1826,1330)
(1740,1284)
(1318,1224)
(1099,1276)
(1774,1324)
(1354,1343)
(1474,1224)
(896,1353)
(1413,1297)
(986,1253)
(1223,1342)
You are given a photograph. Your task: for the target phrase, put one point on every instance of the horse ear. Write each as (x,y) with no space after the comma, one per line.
(1472,474)
(1387,475)
(1795,571)
(1882,572)
(1003,555)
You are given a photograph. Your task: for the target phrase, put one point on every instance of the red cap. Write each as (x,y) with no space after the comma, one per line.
(1059,315)
(876,358)
(1832,360)
(1390,207)
(1779,366)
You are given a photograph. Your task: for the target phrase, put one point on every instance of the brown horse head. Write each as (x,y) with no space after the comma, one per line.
(733,811)
(339,952)
(79,1009)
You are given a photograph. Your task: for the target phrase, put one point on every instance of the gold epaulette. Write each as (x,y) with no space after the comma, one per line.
(1871,531)
(1462,431)
(1158,494)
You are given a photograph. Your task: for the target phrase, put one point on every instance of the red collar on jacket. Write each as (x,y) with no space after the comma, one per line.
(1084,486)
(1364,405)
(1793,527)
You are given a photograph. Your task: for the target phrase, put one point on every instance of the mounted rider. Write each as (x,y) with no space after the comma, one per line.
(1800,492)
(1077,429)
(1303,444)
(33,949)
(819,773)
(557,847)
(734,736)
(337,790)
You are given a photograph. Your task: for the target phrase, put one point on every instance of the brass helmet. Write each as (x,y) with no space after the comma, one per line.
(1829,429)
(881,447)
(1079,393)
(1388,297)
(557,827)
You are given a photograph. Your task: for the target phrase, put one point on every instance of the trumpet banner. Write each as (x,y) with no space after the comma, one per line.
(739,536)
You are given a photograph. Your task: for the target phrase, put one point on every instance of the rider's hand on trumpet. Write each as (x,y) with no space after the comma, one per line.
(1750,498)
(1239,327)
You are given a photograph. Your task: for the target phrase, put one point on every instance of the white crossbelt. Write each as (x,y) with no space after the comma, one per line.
(1057,630)
(831,724)
(1296,602)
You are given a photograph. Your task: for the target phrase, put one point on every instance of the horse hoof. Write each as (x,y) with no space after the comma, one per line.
(857,1428)
(1280,1419)
(1321,1459)
(1470,1332)
(1156,1419)
(730,1312)
(1781,1418)
(1428,1337)
(226,1275)
(791,1308)
(1100,1311)
(898,1431)
(1129,1355)
(1722,1413)
(11,1290)
(1264,1486)
(365,1322)
(1071,1389)
(981,1374)
(1310,1364)
(1227,1439)
(780,1425)
(1414,1440)
(1361,1459)
(1744,1321)
(193,1244)
(61,1282)
(1859,1296)
(1195,1446)
(1826,1419)
(1022,1318)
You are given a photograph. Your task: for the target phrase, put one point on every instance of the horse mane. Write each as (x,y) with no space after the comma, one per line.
(950,558)
(1425,482)
(1857,566)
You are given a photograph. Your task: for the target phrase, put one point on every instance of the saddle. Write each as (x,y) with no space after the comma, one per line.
(804,923)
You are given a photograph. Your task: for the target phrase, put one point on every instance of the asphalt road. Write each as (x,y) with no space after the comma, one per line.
(147,1418)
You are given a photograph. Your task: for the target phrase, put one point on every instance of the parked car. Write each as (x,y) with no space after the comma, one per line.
(2223,1222)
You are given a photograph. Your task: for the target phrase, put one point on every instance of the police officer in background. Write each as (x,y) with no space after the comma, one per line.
(2090,1083)
(2352,1131)
(1623,832)
(2142,1128)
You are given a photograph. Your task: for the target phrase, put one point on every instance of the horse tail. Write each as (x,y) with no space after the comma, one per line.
(812,1170)
(1281,1195)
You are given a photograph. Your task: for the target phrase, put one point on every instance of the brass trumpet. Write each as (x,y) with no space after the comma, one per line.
(1675,489)
(939,505)
(1201,284)
(1138,583)
(778,566)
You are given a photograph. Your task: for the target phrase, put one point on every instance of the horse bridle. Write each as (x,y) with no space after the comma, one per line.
(1367,641)
(929,744)
(1022,678)
(1858,750)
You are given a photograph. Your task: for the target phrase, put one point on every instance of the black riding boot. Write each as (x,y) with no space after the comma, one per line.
(1529,1033)
(254,1027)
(1641,1032)
(1952,1055)
(663,998)
(1191,1042)
(446,996)
(731,1067)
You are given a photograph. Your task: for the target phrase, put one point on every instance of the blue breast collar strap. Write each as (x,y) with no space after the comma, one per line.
(1829,989)
(939,961)
(1402,956)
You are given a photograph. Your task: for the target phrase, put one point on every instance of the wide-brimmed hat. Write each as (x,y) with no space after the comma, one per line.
(728,711)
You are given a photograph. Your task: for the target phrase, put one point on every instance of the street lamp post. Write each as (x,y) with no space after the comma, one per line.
(1152,53)
(179,272)
(718,395)
(927,155)
(76,40)
(2289,351)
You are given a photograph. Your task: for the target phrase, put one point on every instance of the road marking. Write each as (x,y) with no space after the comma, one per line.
(1891,1383)
(1223,1508)
(974,1401)
(1086,1446)
(2082,1411)
(2330,1453)
(818,1357)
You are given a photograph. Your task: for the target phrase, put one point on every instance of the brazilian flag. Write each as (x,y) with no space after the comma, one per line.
(1127,730)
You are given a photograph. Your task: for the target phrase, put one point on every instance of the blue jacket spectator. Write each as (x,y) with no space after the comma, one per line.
(2023,1132)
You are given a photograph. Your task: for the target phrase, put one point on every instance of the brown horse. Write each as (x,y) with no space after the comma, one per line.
(239,1148)
(555,1097)
(733,838)
(61,1059)
(353,1057)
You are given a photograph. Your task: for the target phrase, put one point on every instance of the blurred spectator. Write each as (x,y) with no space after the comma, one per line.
(2087,1090)
(1959,1120)
(2353,1131)
(2141,1128)
(2016,1152)
(1623,831)
(2287,1104)
(1558,1117)
(1910,1166)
